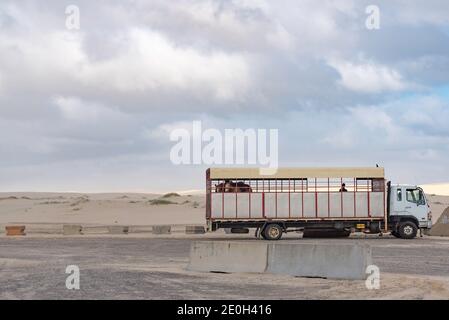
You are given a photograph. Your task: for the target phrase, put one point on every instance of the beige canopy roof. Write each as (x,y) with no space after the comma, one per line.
(296,173)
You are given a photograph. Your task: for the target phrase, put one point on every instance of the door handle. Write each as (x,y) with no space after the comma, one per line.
(408,207)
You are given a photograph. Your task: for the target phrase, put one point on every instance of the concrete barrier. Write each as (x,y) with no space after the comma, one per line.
(71,229)
(92,229)
(44,228)
(195,230)
(15,230)
(334,261)
(118,229)
(228,256)
(161,229)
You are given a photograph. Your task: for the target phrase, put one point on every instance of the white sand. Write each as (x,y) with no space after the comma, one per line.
(105,209)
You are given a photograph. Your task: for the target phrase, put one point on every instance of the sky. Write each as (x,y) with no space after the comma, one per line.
(91,109)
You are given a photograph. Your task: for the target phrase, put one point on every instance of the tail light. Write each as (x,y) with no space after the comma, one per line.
(429,216)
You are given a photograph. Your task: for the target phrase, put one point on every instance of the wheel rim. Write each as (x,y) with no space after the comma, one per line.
(408,230)
(273,232)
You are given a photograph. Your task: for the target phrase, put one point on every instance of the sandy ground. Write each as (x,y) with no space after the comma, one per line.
(154,268)
(119,208)
(103,209)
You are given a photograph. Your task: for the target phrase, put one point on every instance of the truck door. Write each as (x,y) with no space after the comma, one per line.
(397,201)
(416,204)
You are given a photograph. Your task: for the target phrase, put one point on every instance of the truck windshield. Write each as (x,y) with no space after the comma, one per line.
(415,196)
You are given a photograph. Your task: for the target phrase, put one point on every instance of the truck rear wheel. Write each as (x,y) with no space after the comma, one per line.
(407,230)
(272,232)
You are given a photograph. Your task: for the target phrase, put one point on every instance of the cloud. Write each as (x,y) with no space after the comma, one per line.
(163,131)
(145,61)
(151,62)
(433,12)
(368,77)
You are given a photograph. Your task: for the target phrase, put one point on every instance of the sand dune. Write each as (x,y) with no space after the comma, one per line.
(437,204)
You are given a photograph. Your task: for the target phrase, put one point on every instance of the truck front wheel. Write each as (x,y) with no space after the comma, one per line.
(272,232)
(407,230)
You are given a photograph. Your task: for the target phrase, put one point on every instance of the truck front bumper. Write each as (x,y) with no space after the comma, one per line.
(425,224)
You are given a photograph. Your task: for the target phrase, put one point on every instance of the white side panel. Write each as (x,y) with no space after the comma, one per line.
(361,204)
(283,205)
(335,204)
(229,205)
(323,204)
(295,205)
(377,204)
(243,205)
(309,205)
(348,204)
(256,205)
(216,205)
(270,205)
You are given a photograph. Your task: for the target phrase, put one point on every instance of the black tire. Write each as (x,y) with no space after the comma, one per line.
(407,230)
(262,234)
(272,231)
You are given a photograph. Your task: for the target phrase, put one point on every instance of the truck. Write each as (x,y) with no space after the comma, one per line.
(336,201)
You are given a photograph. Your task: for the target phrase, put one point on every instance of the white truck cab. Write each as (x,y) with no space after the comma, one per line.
(408,203)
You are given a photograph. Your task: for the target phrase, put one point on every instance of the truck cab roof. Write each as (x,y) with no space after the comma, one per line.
(414,186)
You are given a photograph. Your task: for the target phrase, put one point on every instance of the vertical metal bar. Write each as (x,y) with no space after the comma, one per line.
(302,197)
(289,213)
(385,210)
(208,196)
(328,198)
(249,198)
(316,200)
(223,190)
(368,197)
(276,197)
(263,204)
(235,191)
(341,196)
(355,189)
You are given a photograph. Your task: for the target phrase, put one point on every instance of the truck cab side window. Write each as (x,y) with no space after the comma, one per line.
(399,194)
